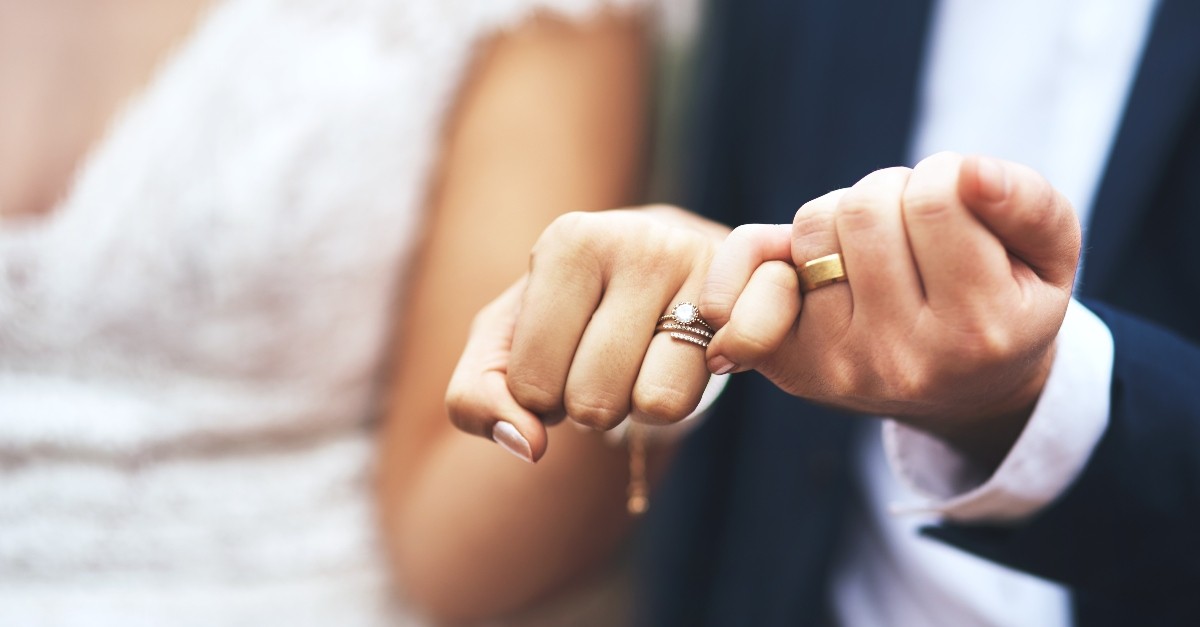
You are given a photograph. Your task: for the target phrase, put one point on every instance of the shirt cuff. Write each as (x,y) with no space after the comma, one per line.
(1070,417)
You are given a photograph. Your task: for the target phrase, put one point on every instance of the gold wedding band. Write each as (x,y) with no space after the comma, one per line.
(821,271)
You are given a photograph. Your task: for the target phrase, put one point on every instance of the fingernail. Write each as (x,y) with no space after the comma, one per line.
(512,441)
(720,365)
(993,180)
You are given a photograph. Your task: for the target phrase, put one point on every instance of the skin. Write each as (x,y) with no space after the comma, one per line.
(960,271)
(66,68)
(960,274)
(576,337)
(472,533)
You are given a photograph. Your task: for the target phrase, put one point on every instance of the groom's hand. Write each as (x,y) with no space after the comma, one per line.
(958,271)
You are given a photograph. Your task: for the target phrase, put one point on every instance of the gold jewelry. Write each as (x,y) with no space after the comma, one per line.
(685,324)
(686,314)
(674,326)
(821,271)
(698,341)
(638,493)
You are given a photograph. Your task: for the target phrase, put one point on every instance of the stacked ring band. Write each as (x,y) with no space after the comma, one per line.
(684,323)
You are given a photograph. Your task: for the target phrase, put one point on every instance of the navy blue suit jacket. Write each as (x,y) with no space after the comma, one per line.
(797,98)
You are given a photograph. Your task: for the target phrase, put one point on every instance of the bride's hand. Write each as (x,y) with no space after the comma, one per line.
(576,337)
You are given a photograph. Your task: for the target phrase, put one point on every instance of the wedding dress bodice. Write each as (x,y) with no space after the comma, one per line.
(191,342)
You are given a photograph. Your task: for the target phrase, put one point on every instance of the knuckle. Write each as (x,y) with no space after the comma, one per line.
(661,207)
(565,233)
(911,384)
(535,395)
(858,210)
(596,411)
(659,250)
(781,278)
(567,226)
(662,404)
(814,232)
(938,160)
(877,193)
(987,344)
(716,304)
(842,378)
(779,274)
(932,190)
(885,179)
(832,373)
(684,245)
(813,217)
(666,243)
(926,203)
(746,345)
(743,232)
(583,238)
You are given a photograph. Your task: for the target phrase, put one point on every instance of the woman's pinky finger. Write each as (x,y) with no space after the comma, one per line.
(736,259)
(763,316)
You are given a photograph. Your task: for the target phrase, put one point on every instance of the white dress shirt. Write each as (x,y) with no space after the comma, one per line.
(1041,82)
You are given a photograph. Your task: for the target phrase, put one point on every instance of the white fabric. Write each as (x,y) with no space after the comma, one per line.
(1041,83)
(190,343)
(891,575)
(1034,81)
(1067,423)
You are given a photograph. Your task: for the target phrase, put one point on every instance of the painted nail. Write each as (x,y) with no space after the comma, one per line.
(512,441)
(720,365)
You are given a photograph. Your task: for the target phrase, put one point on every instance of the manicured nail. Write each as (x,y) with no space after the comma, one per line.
(993,180)
(512,441)
(720,365)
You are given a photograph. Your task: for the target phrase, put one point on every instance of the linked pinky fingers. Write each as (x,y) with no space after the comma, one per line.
(763,316)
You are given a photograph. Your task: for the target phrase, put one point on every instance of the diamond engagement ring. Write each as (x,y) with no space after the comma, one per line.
(686,314)
(684,323)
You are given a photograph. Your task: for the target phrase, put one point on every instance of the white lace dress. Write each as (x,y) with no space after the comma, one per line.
(190,343)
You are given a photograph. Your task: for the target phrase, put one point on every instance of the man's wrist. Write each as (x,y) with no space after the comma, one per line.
(1052,449)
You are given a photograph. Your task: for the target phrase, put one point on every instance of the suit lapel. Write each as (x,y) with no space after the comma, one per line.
(1164,93)
(796,98)
(793,456)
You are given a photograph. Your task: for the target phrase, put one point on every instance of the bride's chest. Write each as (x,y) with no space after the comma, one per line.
(256,203)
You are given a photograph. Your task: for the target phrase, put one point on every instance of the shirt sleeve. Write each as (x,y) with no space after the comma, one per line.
(1070,417)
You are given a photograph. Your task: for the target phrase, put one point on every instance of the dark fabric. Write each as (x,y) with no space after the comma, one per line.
(798,98)
(1124,536)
